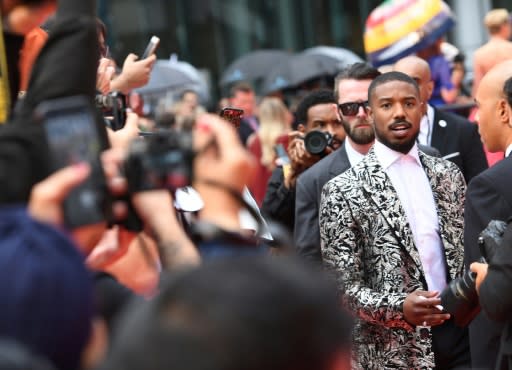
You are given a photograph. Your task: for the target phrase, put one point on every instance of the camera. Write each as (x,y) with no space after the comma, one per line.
(317,141)
(460,298)
(113,108)
(160,160)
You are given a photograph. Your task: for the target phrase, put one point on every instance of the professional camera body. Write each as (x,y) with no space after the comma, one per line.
(317,141)
(113,107)
(460,298)
(160,160)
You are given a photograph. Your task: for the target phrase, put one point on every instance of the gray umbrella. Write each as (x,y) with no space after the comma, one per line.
(171,75)
(344,56)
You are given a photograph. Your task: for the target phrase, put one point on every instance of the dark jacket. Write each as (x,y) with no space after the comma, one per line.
(279,202)
(489,197)
(458,139)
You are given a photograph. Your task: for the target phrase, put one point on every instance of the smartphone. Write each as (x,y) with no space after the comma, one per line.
(72,136)
(232,115)
(151,48)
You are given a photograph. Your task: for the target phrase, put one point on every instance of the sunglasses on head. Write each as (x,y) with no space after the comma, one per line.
(351,108)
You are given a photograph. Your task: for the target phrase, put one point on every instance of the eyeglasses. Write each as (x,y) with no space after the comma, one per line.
(351,108)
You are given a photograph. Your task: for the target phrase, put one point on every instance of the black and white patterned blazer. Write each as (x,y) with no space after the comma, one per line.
(366,240)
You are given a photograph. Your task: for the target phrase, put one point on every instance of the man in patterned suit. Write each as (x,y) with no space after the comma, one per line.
(391,230)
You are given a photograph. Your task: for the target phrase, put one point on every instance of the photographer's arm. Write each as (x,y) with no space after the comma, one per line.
(222,160)
(135,73)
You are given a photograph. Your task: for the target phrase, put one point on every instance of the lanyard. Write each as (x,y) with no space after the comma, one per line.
(5,98)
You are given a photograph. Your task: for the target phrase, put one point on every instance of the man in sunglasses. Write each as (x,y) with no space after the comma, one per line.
(351,94)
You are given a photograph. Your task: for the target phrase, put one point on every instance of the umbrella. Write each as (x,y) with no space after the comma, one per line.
(252,66)
(297,69)
(344,56)
(172,75)
(398,28)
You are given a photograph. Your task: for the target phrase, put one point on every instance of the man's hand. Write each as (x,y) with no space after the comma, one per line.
(481,272)
(104,76)
(135,73)
(422,308)
(300,158)
(46,198)
(122,138)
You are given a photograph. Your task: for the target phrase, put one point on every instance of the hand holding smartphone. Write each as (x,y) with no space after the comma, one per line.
(152,46)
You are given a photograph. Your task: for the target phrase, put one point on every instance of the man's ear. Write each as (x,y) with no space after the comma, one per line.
(369,113)
(301,128)
(430,88)
(503,110)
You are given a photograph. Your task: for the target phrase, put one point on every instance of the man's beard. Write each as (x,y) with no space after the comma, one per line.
(359,135)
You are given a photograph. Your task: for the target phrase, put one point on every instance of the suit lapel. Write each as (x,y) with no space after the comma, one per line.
(440,133)
(381,192)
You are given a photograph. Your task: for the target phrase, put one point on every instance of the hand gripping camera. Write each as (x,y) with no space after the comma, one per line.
(460,298)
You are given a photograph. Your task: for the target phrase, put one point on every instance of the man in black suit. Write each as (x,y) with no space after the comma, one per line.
(489,197)
(351,93)
(456,138)
(317,111)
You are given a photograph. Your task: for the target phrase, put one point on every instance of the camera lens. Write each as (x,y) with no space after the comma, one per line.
(316,142)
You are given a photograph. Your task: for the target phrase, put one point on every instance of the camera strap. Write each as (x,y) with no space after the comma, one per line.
(5,97)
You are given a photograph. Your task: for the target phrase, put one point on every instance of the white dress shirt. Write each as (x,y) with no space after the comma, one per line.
(413,187)
(509,149)
(426,127)
(354,157)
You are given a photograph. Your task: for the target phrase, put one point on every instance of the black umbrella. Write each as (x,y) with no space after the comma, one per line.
(253,66)
(298,69)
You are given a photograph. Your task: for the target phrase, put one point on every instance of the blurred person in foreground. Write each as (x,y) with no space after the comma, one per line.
(497,49)
(275,124)
(316,111)
(391,233)
(351,94)
(19,19)
(489,197)
(254,313)
(456,138)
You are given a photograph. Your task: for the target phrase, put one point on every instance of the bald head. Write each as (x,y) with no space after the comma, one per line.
(494,110)
(419,70)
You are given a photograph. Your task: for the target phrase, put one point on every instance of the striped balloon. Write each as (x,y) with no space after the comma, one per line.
(397,28)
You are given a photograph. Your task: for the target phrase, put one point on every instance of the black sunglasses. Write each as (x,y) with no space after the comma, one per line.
(351,108)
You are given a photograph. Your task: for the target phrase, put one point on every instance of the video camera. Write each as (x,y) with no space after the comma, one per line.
(113,108)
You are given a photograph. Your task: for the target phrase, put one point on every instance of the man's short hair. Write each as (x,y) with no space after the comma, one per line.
(322,96)
(252,313)
(357,71)
(507,91)
(388,77)
(244,87)
(495,19)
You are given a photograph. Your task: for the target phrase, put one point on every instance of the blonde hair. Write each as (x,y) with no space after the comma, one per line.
(495,19)
(274,122)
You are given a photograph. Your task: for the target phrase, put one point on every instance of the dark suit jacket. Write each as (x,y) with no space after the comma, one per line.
(458,135)
(307,199)
(489,197)
(307,202)
(279,202)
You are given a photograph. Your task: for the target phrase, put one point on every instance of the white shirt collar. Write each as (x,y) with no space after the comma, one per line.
(388,156)
(354,157)
(509,149)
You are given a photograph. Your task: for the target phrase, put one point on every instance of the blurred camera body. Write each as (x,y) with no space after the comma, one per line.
(113,107)
(460,297)
(162,160)
(317,141)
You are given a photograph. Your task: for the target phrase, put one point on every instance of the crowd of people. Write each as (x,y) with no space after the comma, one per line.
(322,235)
